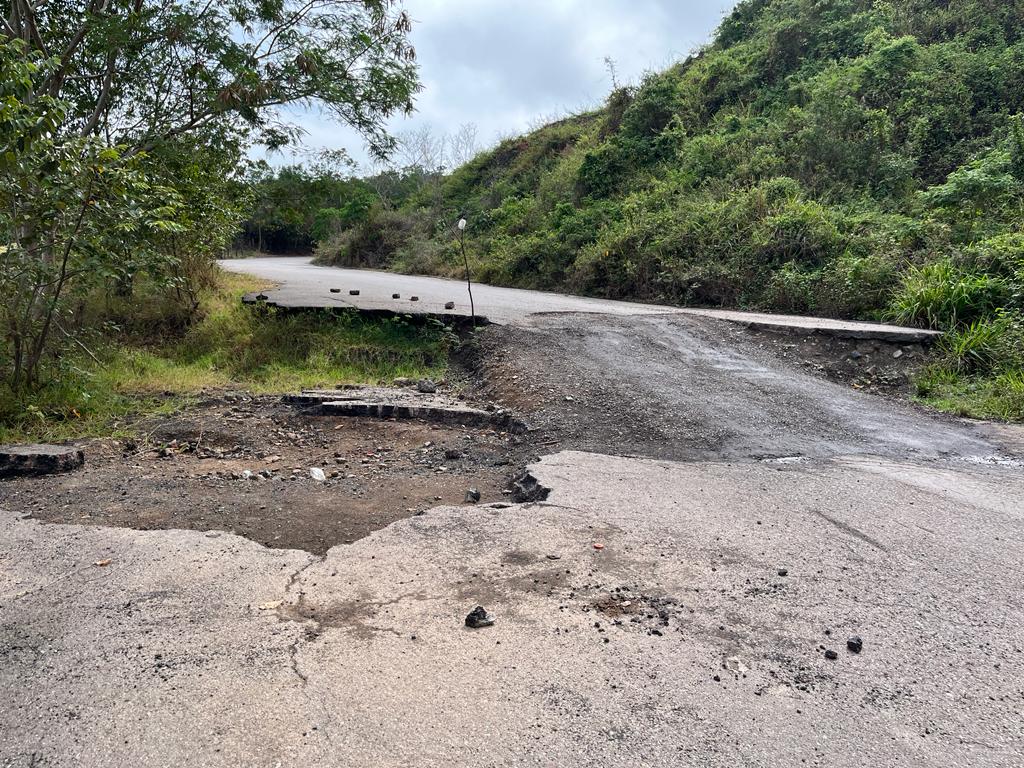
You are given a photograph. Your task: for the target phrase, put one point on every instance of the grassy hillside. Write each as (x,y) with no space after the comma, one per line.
(851,158)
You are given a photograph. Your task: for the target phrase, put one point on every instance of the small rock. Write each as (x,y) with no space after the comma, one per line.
(472,496)
(553,557)
(598,546)
(854,644)
(449,305)
(734,664)
(353,293)
(426,386)
(396,295)
(479,617)
(783,572)
(247,474)
(414,298)
(402,381)
(317,474)
(335,290)
(831,655)
(897,354)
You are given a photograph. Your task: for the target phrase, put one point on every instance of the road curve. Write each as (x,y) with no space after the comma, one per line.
(302,284)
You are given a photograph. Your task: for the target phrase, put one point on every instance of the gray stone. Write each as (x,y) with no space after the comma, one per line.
(317,474)
(449,305)
(479,617)
(472,496)
(353,292)
(426,386)
(37,459)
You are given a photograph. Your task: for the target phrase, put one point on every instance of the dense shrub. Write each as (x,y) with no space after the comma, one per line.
(375,242)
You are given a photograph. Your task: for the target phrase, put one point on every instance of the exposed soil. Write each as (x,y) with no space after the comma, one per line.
(666,387)
(241,464)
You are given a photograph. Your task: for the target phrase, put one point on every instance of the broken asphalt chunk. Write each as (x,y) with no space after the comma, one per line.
(479,617)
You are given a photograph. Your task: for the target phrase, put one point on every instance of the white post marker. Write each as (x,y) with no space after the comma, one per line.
(469,283)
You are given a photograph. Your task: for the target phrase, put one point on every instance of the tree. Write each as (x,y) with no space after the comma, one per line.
(67,207)
(137,73)
(100,101)
(294,208)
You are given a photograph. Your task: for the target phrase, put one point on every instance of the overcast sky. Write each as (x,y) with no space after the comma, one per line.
(507,65)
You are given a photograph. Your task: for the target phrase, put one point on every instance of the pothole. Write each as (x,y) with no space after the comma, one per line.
(243,465)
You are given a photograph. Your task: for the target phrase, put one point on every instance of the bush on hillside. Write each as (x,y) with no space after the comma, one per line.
(375,242)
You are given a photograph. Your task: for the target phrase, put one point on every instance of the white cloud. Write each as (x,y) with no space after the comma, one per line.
(504,65)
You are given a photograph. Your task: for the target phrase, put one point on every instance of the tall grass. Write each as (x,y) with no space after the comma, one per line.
(232,346)
(977,348)
(940,295)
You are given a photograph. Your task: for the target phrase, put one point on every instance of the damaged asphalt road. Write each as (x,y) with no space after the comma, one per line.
(719,523)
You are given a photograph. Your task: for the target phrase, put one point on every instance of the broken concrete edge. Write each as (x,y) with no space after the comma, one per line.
(862,332)
(36,459)
(909,336)
(457,318)
(437,414)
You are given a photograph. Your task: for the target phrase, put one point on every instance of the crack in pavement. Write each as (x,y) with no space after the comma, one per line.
(308,634)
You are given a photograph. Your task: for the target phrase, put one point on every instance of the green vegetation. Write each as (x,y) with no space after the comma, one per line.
(294,208)
(850,158)
(124,129)
(123,132)
(149,366)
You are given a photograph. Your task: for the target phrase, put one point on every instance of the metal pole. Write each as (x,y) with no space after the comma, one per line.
(469,283)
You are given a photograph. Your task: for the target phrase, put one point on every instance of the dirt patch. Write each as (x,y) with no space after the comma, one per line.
(879,367)
(239,464)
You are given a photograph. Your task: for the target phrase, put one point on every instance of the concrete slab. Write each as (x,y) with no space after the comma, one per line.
(402,403)
(38,459)
(305,285)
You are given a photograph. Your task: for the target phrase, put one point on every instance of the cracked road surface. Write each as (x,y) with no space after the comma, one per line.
(755,518)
